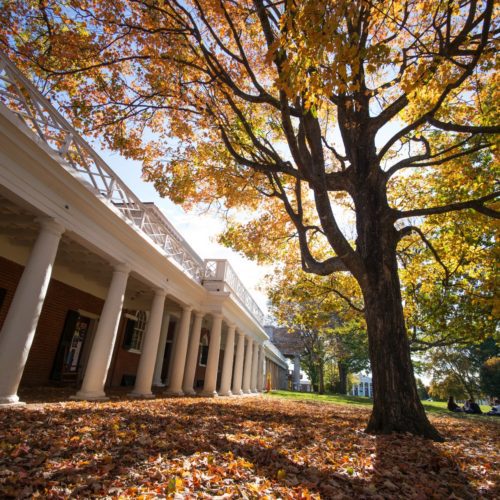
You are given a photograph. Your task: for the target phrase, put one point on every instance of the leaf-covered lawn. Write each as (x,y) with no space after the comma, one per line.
(235,448)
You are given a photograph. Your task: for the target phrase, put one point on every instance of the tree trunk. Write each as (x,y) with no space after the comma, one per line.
(396,405)
(321,373)
(342,377)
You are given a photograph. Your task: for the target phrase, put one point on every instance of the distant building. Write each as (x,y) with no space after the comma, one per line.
(292,347)
(363,387)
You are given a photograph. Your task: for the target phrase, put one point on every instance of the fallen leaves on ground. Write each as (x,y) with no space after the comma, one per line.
(235,448)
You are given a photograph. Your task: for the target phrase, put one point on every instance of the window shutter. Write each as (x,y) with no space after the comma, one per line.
(129,334)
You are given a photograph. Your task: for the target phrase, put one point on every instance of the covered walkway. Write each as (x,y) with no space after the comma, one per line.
(98,289)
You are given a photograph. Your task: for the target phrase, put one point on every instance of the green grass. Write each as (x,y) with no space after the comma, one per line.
(435,407)
(323,398)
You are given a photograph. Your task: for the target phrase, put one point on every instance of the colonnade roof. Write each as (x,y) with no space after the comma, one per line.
(52,129)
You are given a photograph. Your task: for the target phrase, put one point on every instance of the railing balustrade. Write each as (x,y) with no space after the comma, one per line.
(51,130)
(219,270)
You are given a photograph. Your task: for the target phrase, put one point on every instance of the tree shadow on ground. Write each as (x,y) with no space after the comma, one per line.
(100,448)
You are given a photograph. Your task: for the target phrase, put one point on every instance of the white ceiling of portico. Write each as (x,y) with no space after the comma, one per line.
(18,224)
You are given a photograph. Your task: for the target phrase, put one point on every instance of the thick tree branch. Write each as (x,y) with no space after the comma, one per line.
(309,263)
(415,162)
(409,161)
(477,205)
(472,129)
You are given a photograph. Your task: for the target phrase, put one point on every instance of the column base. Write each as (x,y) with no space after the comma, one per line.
(226,393)
(209,394)
(170,392)
(10,400)
(189,392)
(141,395)
(158,384)
(90,396)
(237,393)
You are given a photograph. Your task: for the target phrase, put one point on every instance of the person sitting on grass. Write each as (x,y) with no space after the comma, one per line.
(452,406)
(472,407)
(495,409)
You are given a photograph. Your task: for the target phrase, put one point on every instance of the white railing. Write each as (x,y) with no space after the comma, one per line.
(52,130)
(219,270)
(77,156)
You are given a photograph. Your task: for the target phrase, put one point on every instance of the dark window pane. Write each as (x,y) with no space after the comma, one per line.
(129,334)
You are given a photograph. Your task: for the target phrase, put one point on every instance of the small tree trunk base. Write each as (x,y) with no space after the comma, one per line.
(417,427)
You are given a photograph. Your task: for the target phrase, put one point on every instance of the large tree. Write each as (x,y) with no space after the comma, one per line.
(288,107)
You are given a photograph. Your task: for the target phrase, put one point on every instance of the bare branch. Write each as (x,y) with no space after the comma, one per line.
(408,229)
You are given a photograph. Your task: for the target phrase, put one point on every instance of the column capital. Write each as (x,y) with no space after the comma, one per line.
(121,268)
(199,314)
(51,225)
(160,292)
(231,325)
(187,308)
(217,315)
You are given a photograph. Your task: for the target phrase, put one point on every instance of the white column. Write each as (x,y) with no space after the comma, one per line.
(247,370)
(20,324)
(192,355)
(104,339)
(179,354)
(160,355)
(260,369)
(209,387)
(238,364)
(255,365)
(227,366)
(296,373)
(145,370)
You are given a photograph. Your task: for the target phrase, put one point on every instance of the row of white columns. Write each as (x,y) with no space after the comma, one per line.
(20,324)
(242,373)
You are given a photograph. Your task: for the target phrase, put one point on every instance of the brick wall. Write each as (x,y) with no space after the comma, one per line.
(60,298)
(10,274)
(124,362)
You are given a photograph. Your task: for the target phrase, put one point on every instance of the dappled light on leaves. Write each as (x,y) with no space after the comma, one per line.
(246,448)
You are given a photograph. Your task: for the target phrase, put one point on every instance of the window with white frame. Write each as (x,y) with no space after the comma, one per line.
(134,331)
